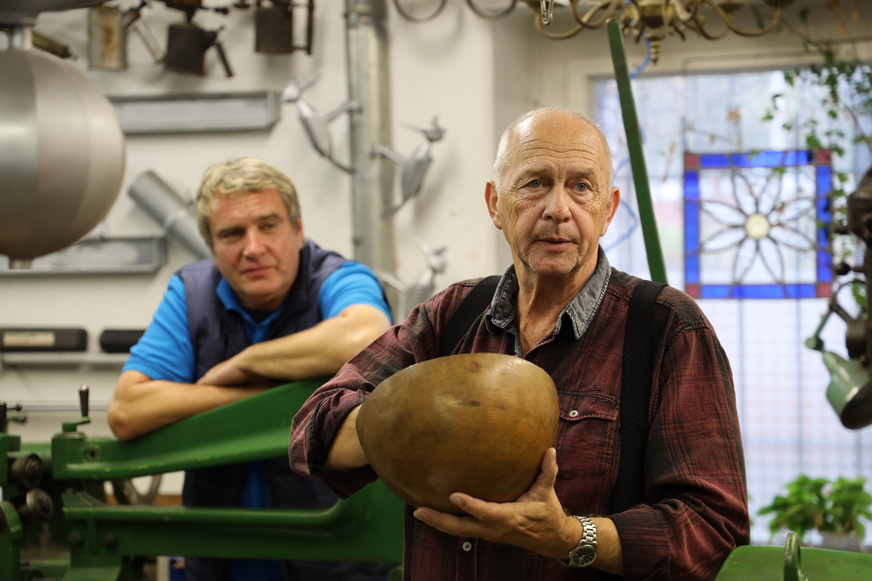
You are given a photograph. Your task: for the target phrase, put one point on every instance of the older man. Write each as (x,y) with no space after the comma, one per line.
(270,307)
(561,306)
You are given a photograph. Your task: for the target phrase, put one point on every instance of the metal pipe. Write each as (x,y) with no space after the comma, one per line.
(169,210)
(373,175)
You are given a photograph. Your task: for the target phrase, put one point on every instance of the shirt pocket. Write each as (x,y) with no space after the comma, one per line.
(587,434)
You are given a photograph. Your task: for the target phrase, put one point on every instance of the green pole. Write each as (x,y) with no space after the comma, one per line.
(637,156)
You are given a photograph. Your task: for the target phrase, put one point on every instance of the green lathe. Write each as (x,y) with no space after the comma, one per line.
(55,521)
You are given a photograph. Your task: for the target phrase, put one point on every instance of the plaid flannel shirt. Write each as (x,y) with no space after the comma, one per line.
(694,510)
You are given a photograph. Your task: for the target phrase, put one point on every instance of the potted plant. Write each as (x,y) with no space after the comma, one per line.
(834,508)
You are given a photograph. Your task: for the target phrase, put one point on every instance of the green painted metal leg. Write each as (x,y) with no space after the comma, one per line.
(792,559)
(10,542)
(637,157)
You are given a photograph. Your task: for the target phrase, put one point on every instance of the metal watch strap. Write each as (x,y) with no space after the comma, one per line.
(584,553)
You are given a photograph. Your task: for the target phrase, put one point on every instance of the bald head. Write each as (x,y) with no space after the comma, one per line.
(566,122)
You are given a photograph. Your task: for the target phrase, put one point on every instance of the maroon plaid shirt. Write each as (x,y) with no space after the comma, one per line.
(694,510)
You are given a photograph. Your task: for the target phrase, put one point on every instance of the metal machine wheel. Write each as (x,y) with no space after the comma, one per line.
(127,493)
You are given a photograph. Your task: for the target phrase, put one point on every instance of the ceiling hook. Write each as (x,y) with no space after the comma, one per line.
(547,8)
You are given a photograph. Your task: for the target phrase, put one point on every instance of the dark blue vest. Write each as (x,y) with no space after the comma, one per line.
(218,334)
(208,319)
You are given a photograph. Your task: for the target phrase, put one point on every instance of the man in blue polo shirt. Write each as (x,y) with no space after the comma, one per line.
(269,307)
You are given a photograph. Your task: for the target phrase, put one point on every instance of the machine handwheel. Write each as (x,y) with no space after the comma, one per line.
(126,492)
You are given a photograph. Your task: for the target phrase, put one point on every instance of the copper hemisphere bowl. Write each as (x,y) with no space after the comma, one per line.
(477,423)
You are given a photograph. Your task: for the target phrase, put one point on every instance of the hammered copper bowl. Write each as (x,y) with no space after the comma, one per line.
(477,423)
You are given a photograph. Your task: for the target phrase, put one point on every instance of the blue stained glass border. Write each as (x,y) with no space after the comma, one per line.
(694,163)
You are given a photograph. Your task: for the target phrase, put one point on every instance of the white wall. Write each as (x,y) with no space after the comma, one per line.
(475,75)
(441,69)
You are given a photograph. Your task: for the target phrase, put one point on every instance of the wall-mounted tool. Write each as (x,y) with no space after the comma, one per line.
(188,43)
(414,168)
(315,124)
(274,26)
(108,27)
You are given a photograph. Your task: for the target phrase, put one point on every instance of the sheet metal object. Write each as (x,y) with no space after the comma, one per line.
(107,36)
(317,125)
(424,285)
(413,169)
(168,209)
(274,27)
(103,539)
(54,190)
(187,44)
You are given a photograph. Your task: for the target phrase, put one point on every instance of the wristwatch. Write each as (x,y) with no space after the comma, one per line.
(584,552)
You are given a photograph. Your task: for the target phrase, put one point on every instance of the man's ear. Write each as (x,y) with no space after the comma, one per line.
(492,199)
(611,209)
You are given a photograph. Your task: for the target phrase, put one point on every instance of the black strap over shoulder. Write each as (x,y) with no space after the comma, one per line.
(640,338)
(469,309)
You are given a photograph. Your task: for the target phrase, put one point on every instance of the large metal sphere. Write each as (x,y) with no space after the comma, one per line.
(477,423)
(61,154)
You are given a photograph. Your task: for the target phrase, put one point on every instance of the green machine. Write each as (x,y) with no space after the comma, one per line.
(55,521)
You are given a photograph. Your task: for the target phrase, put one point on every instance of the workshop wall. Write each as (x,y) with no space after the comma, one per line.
(475,75)
(442,69)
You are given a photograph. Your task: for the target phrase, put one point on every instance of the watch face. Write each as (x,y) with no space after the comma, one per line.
(582,556)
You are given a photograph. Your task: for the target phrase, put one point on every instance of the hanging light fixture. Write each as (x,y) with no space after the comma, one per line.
(654,20)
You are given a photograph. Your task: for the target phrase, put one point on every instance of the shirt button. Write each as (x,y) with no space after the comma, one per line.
(467,546)
(573,414)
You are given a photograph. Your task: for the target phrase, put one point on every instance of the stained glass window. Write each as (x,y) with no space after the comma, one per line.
(712,211)
(755,224)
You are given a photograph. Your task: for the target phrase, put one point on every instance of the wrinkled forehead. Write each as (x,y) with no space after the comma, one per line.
(559,140)
(561,131)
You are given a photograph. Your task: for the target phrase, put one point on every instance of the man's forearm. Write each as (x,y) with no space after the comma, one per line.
(319,350)
(140,405)
(346,452)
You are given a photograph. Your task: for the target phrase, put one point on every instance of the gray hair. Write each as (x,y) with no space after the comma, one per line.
(245,175)
(502,161)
